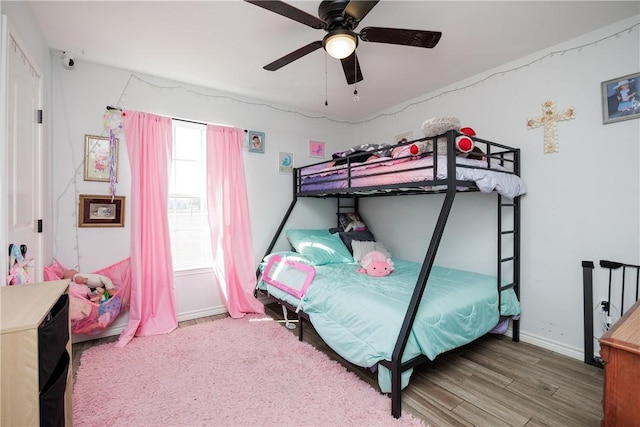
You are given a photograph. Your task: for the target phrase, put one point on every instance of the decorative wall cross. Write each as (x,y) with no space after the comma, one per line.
(548,120)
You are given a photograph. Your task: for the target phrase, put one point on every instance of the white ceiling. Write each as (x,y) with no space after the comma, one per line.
(224,45)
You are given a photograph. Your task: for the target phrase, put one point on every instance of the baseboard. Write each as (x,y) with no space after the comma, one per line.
(196,314)
(109,332)
(556,347)
(116,329)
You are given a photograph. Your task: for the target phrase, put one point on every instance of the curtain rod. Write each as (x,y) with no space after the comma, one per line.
(110,108)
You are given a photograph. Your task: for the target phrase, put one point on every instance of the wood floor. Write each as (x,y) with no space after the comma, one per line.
(490,382)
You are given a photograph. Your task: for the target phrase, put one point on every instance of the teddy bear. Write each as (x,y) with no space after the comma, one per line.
(94,281)
(376,264)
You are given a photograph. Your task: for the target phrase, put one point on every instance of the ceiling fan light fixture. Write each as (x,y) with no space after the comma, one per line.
(340,45)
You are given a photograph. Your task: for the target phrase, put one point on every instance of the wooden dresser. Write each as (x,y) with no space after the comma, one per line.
(35,353)
(620,351)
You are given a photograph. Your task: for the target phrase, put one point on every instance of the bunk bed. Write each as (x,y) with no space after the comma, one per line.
(385,172)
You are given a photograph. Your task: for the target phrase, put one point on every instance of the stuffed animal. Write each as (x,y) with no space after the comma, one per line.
(418,148)
(439,125)
(434,127)
(94,287)
(376,264)
(94,281)
(80,290)
(79,308)
(464,144)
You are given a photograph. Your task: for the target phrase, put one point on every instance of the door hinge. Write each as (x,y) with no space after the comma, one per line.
(39,226)
(39,117)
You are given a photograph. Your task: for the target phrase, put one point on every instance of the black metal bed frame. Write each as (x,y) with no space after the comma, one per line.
(449,185)
(589,303)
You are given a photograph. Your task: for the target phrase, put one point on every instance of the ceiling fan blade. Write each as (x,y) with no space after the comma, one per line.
(351,68)
(296,54)
(288,11)
(415,38)
(359,9)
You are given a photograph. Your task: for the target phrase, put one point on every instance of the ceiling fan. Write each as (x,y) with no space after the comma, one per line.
(339,18)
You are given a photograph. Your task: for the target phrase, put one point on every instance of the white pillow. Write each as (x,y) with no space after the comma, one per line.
(361,248)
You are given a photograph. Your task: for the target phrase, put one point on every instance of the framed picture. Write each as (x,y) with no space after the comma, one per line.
(316,149)
(403,137)
(621,98)
(101,211)
(97,158)
(285,162)
(256,142)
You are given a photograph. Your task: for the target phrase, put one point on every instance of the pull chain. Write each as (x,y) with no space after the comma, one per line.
(356,98)
(326,103)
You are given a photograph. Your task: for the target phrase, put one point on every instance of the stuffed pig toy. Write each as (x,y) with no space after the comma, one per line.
(376,264)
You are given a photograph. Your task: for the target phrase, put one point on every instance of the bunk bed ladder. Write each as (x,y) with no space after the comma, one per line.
(345,204)
(512,256)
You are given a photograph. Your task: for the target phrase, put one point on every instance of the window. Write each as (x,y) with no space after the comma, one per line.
(188,223)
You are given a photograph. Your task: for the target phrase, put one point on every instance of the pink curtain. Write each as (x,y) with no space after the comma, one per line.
(152,306)
(231,240)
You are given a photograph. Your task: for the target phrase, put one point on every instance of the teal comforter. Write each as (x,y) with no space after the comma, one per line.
(360,317)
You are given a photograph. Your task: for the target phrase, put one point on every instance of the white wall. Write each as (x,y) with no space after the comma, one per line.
(80,96)
(583,203)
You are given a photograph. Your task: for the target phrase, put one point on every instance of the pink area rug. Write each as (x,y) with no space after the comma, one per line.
(229,372)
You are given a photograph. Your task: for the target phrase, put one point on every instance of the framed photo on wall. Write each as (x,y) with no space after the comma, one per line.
(621,98)
(101,211)
(256,142)
(97,158)
(316,149)
(285,162)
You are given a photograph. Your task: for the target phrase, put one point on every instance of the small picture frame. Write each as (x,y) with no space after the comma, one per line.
(256,142)
(285,162)
(316,149)
(621,98)
(98,158)
(101,211)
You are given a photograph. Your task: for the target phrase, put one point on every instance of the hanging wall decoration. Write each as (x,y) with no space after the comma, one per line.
(285,162)
(548,120)
(316,149)
(113,118)
(256,142)
(621,98)
(100,158)
(101,211)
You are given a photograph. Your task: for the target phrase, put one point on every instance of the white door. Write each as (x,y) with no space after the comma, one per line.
(24,152)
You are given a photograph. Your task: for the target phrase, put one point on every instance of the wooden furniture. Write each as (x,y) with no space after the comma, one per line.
(35,353)
(620,351)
